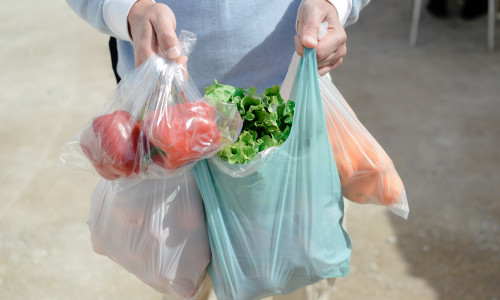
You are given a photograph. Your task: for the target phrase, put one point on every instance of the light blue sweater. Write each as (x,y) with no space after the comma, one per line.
(241,43)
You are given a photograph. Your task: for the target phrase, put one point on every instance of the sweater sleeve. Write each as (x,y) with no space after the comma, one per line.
(344,8)
(115,14)
(107,16)
(355,9)
(348,10)
(91,12)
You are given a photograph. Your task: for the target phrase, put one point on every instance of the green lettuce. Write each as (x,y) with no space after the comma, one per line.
(267,120)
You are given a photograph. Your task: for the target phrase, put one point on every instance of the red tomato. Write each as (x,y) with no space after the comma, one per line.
(111,145)
(183,132)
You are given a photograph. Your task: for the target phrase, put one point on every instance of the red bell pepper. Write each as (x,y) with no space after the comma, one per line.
(111,145)
(181,133)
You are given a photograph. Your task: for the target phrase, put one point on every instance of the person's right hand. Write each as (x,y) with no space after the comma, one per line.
(152,28)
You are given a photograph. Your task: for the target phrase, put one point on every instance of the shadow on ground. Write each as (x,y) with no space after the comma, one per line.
(436,111)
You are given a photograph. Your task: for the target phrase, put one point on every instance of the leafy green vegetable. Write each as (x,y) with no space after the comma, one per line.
(267,119)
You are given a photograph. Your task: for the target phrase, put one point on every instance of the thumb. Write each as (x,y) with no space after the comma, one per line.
(308,31)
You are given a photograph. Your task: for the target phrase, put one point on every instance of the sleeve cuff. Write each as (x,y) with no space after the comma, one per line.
(343,9)
(115,13)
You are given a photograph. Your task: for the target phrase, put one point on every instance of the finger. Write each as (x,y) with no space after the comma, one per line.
(331,63)
(333,57)
(143,45)
(182,60)
(308,25)
(330,60)
(298,46)
(334,41)
(164,26)
(323,70)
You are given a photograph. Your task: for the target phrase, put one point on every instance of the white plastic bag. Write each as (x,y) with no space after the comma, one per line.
(367,173)
(155,229)
(155,123)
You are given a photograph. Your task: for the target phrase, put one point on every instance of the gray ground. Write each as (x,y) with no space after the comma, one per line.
(435,109)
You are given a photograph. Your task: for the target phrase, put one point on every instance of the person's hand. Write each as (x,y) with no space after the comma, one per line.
(152,28)
(331,49)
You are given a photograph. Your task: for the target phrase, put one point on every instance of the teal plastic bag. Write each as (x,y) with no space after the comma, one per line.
(275,226)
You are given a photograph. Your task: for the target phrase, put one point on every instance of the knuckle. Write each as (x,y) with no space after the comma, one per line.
(341,36)
(321,54)
(310,28)
(161,7)
(339,53)
(338,63)
(167,37)
(343,52)
(163,13)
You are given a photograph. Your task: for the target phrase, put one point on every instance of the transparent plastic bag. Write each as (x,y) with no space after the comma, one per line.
(155,229)
(276,226)
(155,123)
(367,173)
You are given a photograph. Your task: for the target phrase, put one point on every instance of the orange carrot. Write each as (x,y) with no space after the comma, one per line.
(367,174)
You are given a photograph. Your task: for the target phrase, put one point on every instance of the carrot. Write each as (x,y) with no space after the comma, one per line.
(366,172)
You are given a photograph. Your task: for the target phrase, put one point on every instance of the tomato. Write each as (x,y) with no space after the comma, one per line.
(110,144)
(183,133)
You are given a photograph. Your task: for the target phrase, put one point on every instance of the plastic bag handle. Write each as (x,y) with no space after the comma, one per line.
(187,40)
(323,27)
(306,81)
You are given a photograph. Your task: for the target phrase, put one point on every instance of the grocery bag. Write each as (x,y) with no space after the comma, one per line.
(276,226)
(367,173)
(155,123)
(155,229)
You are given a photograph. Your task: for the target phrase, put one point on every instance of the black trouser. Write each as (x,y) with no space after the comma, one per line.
(113,50)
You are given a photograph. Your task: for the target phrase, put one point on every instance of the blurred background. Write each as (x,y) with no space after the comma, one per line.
(435,108)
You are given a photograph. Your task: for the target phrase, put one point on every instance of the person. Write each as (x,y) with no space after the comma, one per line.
(240,43)
(471,9)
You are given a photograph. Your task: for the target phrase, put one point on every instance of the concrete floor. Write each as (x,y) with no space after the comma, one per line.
(435,109)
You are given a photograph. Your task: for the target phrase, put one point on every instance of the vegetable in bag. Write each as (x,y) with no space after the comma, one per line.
(111,144)
(274,223)
(186,134)
(267,120)
(155,229)
(155,123)
(367,173)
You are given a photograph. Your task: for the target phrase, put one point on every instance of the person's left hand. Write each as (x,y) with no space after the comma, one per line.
(331,49)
